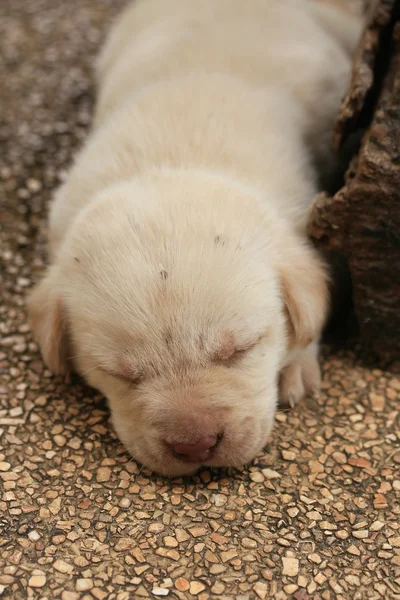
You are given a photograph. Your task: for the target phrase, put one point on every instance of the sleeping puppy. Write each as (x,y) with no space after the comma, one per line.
(181,282)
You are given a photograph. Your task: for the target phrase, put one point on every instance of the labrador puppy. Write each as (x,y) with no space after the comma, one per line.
(181,283)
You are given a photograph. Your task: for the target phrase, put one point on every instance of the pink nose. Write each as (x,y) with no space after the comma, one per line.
(195,451)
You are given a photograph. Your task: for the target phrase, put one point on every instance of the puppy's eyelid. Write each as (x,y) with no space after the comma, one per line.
(233,358)
(250,345)
(245,347)
(241,350)
(133,379)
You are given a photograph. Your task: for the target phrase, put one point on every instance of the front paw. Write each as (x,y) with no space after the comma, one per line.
(300,377)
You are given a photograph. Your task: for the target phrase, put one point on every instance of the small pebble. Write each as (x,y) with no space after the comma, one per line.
(290,566)
(84,584)
(37,581)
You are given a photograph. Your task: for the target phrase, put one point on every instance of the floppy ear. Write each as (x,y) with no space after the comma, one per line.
(305,292)
(46,316)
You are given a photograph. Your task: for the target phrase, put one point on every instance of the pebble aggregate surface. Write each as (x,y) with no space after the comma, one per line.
(317,515)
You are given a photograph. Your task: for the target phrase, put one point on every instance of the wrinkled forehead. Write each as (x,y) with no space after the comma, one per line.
(121,300)
(140,330)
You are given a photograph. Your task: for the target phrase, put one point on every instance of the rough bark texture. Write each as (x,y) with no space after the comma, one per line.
(367,71)
(362,220)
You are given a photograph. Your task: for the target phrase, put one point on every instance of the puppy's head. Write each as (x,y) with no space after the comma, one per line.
(179,302)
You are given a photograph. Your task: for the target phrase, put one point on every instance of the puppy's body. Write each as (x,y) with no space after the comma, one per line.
(189,84)
(180,275)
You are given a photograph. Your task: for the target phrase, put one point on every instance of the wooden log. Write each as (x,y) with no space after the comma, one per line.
(362,220)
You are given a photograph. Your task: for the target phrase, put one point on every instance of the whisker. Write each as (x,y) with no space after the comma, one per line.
(89,370)
(78,356)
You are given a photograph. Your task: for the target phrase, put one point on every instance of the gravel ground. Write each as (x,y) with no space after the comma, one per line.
(317,515)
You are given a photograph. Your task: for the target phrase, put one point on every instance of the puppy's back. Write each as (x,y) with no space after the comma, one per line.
(214,84)
(280,42)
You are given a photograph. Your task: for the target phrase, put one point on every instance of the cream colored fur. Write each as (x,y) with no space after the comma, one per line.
(181,280)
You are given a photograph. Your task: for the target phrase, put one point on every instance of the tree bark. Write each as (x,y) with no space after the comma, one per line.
(362,220)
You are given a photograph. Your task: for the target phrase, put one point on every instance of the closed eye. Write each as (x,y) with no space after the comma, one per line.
(132,379)
(237,355)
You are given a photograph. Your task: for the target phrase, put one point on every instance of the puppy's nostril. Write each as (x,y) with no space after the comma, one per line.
(196,448)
